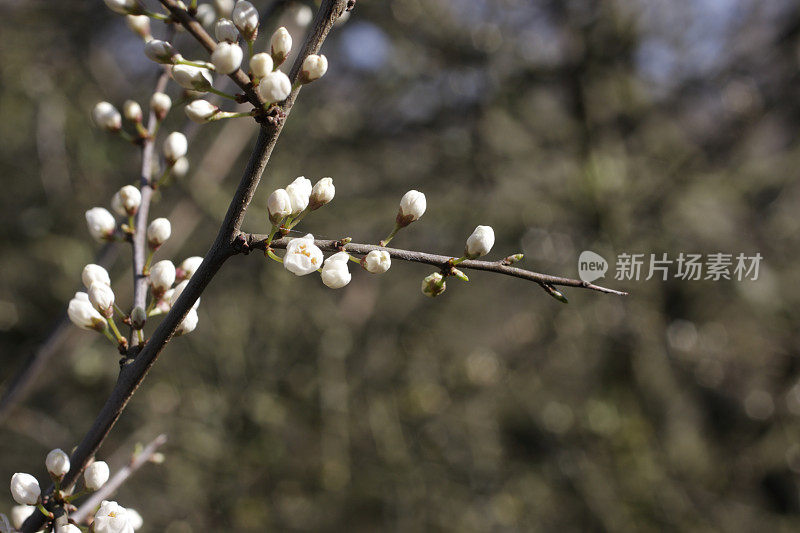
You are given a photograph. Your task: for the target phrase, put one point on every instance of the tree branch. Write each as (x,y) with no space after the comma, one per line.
(256,241)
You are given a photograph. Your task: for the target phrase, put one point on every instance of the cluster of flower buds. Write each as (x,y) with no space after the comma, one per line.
(163,275)
(107,118)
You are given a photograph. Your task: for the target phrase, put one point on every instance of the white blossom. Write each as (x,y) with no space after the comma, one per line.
(94,273)
(176,293)
(139,24)
(261,64)
(25,489)
(132,111)
(200,111)
(111,518)
(377,261)
(192,78)
(302,256)
(126,201)
(322,193)
(162,276)
(224,8)
(314,67)
(158,232)
(102,298)
(106,117)
(433,285)
(160,51)
(122,6)
(134,518)
(57,462)
(180,167)
(299,192)
(245,17)
(20,513)
(175,146)
(101,223)
(279,206)
(275,87)
(225,30)
(160,103)
(189,266)
(227,57)
(334,272)
(280,45)
(83,314)
(206,15)
(189,323)
(412,207)
(480,242)
(68,528)
(96,475)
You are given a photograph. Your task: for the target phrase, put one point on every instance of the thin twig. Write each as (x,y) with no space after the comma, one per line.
(442,261)
(121,476)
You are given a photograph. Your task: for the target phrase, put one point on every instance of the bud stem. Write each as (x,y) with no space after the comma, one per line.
(222,93)
(120,339)
(154,15)
(269,253)
(44,511)
(146,267)
(109,336)
(459,260)
(385,241)
(120,311)
(271,236)
(198,64)
(250,47)
(297,220)
(140,336)
(354,259)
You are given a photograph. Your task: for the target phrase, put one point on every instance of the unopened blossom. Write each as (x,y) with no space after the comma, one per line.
(164,305)
(134,518)
(245,17)
(138,317)
(261,64)
(106,117)
(25,489)
(314,67)
(377,261)
(322,193)
(412,207)
(160,104)
(96,475)
(275,87)
(160,51)
(279,206)
(200,111)
(225,30)
(302,15)
(189,266)
(189,323)
(192,78)
(102,298)
(175,146)
(224,8)
(205,15)
(280,45)
(123,6)
(302,256)
(334,271)
(162,276)
(101,223)
(20,513)
(83,314)
(126,201)
(68,528)
(299,194)
(480,242)
(111,517)
(57,462)
(158,232)
(139,24)
(433,285)
(177,291)
(132,111)
(94,273)
(180,167)
(227,57)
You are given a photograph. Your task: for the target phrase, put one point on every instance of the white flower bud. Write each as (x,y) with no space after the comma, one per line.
(302,15)
(102,298)
(377,261)
(57,462)
(189,323)
(126,201)
(176,293)
(175,146)
(334,272)
(134,518)
(160,104)
(158,232)
(322,193)
(123,7)
(132,111)
(412,207)
(96,475)
(160,51)
(279,206)
(106,117)
(225,30)
(192,78)
(68,528)
(227,57)
(314,67)
(25,489)
(275,87)
(111,518)
(224,8)
(280,45)
(101,223)
(261,64)
(140,25)
(162,276)
(83,314)
(299,192)
(480,242)
(138,318)
(302,256)
(20,513)
(189,267)
(94,273)
(433,285)
(206,15)
(180,168)
(245,17)
(200,111)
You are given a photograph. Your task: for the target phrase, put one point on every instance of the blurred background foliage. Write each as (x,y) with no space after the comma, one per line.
(638,126)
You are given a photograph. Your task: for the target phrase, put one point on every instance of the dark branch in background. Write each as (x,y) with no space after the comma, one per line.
(442,261)
(224,246)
